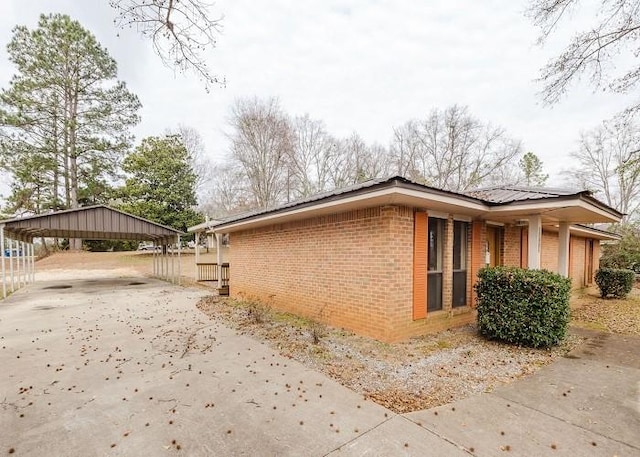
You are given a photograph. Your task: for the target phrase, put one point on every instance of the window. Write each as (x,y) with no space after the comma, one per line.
(435,240)
(460,247)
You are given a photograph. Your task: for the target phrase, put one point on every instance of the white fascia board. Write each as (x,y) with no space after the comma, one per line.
(594,233)
(538,207)
(390,196)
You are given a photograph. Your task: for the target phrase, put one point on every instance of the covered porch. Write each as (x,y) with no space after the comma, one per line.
(211,257)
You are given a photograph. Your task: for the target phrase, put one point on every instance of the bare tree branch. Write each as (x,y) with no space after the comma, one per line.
(594,52)
(181,32)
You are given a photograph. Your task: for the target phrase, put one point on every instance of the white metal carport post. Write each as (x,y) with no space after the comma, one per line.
(4,276)
(535,239)
(179,264)
(564,238)
(13,284)
(23,254)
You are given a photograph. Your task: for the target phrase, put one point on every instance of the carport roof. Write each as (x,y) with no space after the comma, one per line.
(98,222)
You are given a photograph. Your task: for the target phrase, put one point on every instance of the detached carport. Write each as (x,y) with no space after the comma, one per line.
(98,222)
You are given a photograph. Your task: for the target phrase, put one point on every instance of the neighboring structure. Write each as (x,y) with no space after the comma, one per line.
(211,267)
(393,259)
(90,222)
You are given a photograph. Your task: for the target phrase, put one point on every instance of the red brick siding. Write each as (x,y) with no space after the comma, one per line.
(549,251)
(356,269)
(350,269)
(511,247)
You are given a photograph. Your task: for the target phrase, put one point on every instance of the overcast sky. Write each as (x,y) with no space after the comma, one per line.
(362,65)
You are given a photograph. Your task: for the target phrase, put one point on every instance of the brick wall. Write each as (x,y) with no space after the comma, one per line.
(511,248)
(352,269)
(355,269)
(549,251)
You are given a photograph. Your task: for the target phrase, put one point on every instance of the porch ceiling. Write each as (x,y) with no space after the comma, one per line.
(572,211)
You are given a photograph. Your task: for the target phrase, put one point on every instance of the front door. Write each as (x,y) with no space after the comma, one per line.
(588,268)
(494,246)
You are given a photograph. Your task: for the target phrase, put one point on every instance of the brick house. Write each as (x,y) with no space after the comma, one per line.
(393,259)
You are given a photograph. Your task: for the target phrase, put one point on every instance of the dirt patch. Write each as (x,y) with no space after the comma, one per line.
(59,286)
(609,315)
(420,373)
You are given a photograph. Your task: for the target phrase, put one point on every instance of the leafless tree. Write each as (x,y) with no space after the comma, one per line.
(352,161)
(607,163)
(180,30)
(310,157)
(452,150)
(262,140)
(593,52)
(228,193)
(200,163)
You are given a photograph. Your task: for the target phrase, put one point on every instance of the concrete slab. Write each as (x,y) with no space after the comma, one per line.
(129,366)
(488,425)
(593,395)
(623,350)
(398,436)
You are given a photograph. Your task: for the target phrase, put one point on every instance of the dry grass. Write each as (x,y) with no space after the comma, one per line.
(608,315)
(420,373)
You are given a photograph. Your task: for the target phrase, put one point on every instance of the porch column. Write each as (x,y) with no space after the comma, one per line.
(219,257)
(563,249)
(535,239)
(197,256)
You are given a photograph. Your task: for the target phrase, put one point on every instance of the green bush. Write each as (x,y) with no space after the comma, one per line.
(523,307)
(625,253)
(614,282)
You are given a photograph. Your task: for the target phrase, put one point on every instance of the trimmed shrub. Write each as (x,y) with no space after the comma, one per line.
(523,307)
(614,282)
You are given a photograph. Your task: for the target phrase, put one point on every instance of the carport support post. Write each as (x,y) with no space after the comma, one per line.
(13,283)
(18,272)
(23,253)
(564,238)
(33,261)
(179,263)
(165,255)
(173,267)
(4,276)
(535,236)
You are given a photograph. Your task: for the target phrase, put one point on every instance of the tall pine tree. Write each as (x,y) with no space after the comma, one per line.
(64,119)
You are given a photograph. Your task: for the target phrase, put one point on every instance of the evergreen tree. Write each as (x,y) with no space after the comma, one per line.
(64,119)
(160,184)
(532,171)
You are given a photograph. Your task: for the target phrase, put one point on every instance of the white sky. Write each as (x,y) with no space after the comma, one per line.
(362,65)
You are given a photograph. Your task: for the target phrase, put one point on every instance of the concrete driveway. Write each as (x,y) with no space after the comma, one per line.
(128,366)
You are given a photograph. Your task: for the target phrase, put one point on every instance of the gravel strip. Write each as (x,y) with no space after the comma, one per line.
(416,374)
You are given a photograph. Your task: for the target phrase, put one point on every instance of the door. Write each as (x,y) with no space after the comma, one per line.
(588,259)
(435,244)
(494,246)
